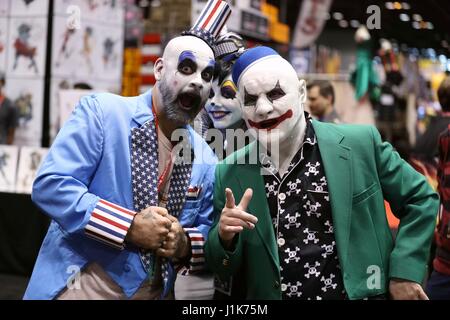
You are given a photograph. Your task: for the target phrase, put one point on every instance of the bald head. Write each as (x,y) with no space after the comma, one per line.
(182,43)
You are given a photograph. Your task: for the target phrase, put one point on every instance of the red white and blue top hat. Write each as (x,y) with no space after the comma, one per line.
(211,21)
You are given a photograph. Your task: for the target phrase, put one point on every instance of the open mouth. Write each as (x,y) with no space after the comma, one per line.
(189,100)
(270,124)
(218,115)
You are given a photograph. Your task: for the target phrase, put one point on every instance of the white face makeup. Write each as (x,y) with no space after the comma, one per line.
(223,105)
(185,73)
(272,98)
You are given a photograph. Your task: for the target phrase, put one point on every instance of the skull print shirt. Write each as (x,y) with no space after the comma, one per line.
(301,213)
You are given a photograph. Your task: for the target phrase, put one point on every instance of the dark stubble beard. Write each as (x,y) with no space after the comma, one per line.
(171,108)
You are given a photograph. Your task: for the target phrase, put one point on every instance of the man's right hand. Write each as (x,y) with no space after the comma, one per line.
(150,228)
(234,218)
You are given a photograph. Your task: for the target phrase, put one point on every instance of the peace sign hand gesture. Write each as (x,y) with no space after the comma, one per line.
(234,218)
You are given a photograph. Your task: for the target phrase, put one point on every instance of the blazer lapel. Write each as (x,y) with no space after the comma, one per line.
(249,176)
(144,165)
(337,161)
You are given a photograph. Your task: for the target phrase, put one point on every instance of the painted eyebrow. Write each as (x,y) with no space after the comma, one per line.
(211,63)
(186,55)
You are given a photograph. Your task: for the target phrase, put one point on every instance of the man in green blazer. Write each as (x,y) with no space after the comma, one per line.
(310,222)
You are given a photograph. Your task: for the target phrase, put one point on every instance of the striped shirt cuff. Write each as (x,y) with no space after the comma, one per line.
(109,223)
(197,261)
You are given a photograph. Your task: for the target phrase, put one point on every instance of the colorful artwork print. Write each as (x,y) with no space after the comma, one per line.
(27,46)
(30,160)
(8,167)
(27,94)
(29,8)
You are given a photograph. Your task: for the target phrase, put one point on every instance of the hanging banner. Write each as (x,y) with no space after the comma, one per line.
(311,20)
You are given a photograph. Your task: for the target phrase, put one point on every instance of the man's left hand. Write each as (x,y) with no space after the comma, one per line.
(176,245)
(406,290)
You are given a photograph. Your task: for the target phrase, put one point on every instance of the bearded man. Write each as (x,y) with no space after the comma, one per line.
(126,208)
(309,221)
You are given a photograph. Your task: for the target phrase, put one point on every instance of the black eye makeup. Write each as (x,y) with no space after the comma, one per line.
(207,74)
(187,67)
(275,93)
(249,99)
(228,90)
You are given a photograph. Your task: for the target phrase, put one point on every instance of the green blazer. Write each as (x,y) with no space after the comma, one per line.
(361,171)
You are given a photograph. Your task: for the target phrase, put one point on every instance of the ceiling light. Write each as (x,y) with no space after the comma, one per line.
(338,16)
(354,23)
(156,3)
(404,17)
(430,26)
(389,5)
(417,17)
(397,5)
(416,25)
(406,6)
(343,23)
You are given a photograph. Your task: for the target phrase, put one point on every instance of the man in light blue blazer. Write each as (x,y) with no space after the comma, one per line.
(129,206)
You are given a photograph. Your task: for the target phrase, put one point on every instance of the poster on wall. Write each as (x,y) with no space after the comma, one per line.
(76,52)
(310,22)
(93,51)
(8,168)
(30,160)
(100,11)
(27,94)
(3,43)
(110,52)
(26,47)
(29,8)
(4,8)
(66,48)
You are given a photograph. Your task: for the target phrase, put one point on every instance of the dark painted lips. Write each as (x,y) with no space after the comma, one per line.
(271,123)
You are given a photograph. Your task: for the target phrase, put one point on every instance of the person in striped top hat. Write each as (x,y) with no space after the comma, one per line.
(130,203)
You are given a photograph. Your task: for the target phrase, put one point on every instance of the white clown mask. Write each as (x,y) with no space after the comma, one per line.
(223,105)
(184,76)
(272,98)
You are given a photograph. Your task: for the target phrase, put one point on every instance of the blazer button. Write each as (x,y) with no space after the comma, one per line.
(225,262)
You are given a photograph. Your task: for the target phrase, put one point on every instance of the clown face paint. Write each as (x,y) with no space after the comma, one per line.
(272,99)
(184,76)
(223,106)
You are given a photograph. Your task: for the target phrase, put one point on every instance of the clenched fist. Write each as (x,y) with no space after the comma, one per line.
(234,218)
(176,244)
(150,228)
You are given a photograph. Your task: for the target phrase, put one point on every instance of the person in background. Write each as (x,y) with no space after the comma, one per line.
(321,101)
(9,115)
(438,285)
(426,147)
